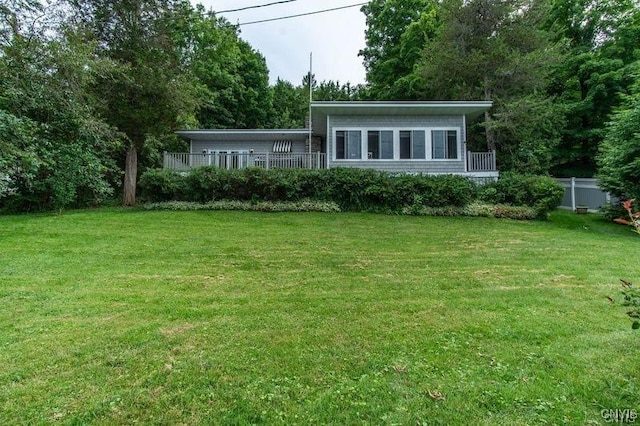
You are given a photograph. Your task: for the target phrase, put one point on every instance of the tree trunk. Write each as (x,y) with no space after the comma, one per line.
(491,137)
(130,176)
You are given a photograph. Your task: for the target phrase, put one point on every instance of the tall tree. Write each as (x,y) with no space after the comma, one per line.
(151,90)
(496,50)
(54,150)
(619,156)
(396,33)
(602,38)
(233,77)
(290,105)
(334,91)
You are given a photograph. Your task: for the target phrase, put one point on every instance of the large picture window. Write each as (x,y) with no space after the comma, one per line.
(412,144)
(380,144)
(444,144)
(348,146)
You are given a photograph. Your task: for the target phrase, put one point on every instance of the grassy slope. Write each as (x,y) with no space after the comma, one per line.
(197,317)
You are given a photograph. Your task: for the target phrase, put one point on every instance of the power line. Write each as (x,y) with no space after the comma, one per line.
(255,7)
(302,14)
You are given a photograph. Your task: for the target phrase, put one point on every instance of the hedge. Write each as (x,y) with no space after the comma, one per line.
(351,189)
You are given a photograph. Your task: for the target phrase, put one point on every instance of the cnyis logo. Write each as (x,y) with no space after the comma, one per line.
(617,415)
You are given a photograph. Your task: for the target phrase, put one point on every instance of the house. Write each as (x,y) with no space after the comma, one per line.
(404,137)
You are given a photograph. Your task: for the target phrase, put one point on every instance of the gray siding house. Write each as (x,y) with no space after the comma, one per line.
(401,137)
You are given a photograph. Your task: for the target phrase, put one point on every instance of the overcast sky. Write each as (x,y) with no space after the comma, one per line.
(335,38)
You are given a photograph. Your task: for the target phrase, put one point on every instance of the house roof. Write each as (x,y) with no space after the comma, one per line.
(244,135)
(321,109)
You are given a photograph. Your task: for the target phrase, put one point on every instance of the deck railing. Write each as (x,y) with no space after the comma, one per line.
(239,160)
(476,161)
(481,161)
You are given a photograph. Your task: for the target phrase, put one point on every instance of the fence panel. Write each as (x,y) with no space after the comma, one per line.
(583,192)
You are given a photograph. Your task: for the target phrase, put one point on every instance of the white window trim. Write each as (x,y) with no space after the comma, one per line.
(427,147)
(458,143)
(396,143)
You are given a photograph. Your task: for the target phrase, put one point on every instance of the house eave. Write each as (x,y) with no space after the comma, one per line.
(243,134)
(323,109)
(401,107)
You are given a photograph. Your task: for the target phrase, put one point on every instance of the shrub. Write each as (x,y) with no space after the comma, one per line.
(264,206)
(542,193)
(352,189)
(502,211)
(162,185)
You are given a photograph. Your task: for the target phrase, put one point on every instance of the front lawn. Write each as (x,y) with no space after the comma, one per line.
(115,316)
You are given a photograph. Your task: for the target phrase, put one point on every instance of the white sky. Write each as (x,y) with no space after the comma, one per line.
(335,38)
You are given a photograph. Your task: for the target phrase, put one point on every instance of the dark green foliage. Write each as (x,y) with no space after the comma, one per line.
(54,150)
(351,189)
(619,158)
(396,33)
(162,185)
(542,193)
(601,38)
(513,196)
(612,211)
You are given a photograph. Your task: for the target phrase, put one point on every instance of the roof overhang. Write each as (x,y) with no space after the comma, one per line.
(321,109)
(226,135)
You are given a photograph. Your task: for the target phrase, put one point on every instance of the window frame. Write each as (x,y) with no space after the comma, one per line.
(428,136)
(335,143)
(425,130)
(458,143)
(380,142)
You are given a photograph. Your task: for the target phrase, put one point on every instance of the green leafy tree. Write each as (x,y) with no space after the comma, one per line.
(496,50)
(54,151)
(290,105)
(396,33)
(334,91)
(601,38)
(619,157)
(149,92)
(233,78)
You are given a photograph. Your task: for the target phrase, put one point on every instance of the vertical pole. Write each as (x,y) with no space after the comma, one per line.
(573,194)
(310,96)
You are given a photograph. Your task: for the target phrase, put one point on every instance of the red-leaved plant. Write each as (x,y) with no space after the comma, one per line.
(633,216)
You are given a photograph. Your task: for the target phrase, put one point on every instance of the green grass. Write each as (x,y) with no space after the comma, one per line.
(116,316)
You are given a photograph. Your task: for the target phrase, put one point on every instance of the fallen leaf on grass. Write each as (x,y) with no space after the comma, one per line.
(436,395)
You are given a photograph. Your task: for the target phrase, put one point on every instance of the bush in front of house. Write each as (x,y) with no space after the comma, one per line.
(542,193)
(263,206)
(355,189)
(163,185)
(351,189)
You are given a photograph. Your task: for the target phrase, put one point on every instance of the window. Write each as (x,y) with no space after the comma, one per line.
(412,144)
(348,146)
(444,144)
(380,145)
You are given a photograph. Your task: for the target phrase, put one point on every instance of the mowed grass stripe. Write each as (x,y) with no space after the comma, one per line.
(116,316)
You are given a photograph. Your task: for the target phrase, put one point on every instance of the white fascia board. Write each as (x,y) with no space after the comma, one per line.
(226,134)
(400,108)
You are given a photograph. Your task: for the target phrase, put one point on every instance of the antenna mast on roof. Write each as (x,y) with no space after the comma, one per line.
(310,97)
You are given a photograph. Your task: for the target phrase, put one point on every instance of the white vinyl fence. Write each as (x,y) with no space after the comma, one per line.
(583,192)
